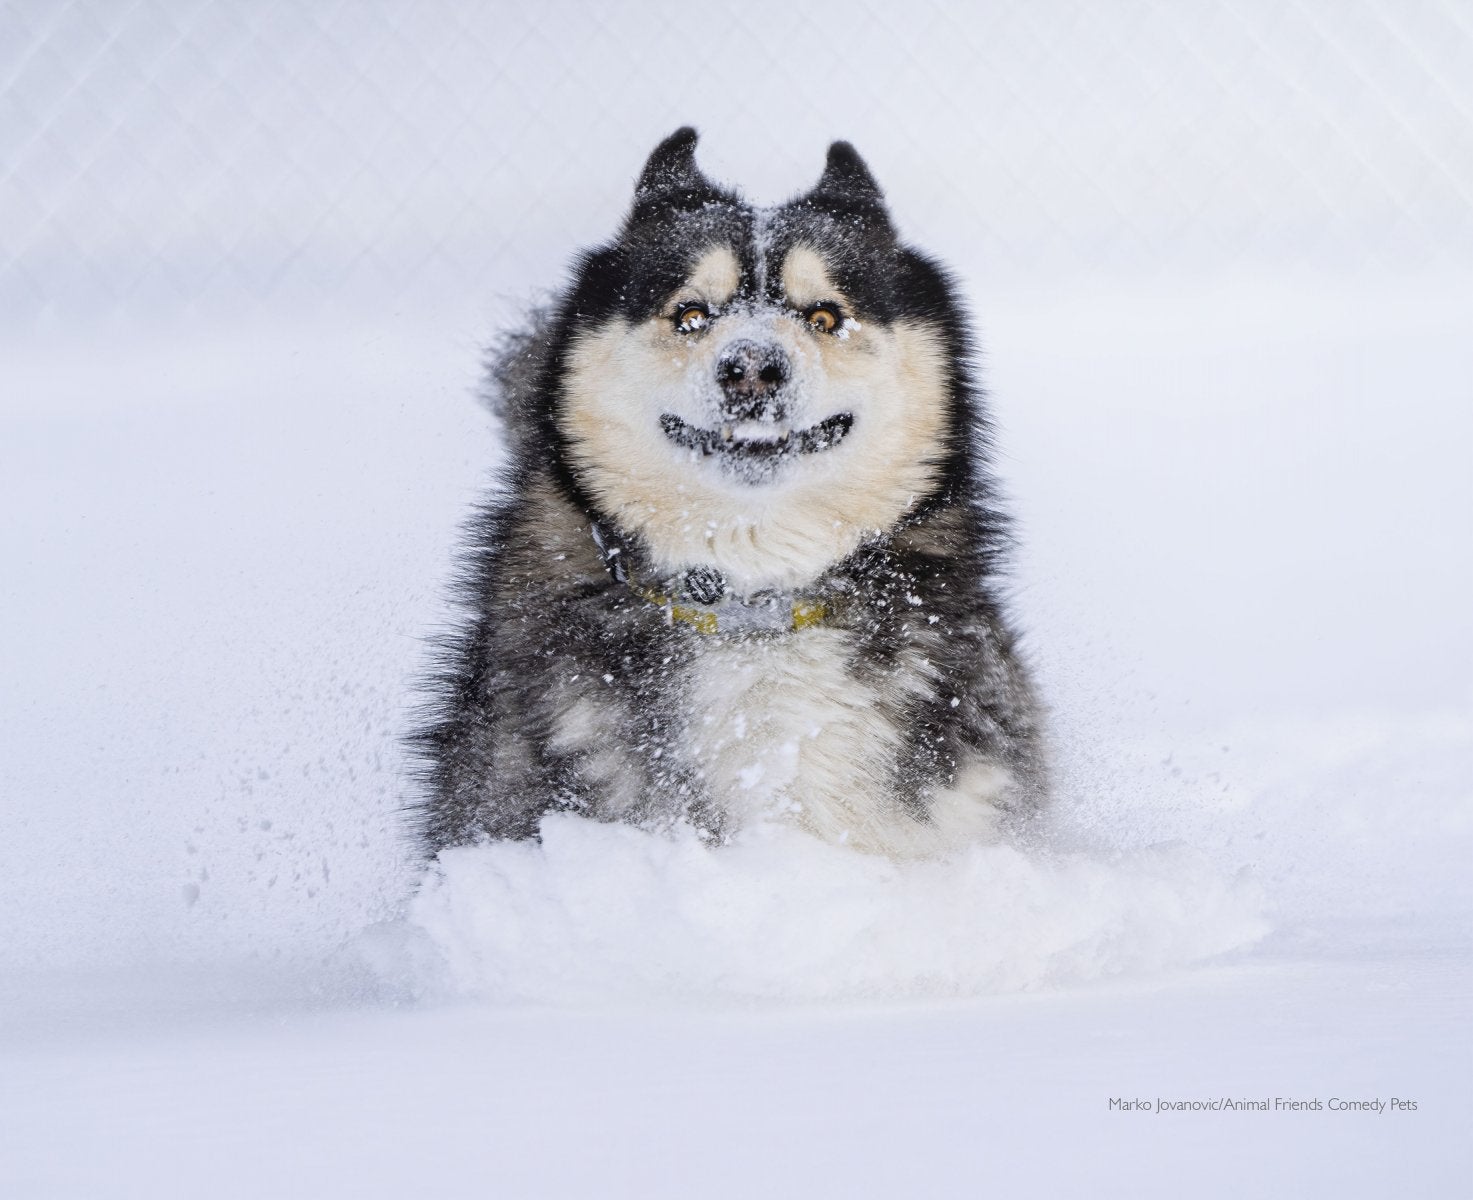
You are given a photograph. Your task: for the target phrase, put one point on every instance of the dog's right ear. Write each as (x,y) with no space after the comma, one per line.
(671,167)
(846,175)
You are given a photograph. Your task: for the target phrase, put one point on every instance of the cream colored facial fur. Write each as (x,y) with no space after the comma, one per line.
(782,533)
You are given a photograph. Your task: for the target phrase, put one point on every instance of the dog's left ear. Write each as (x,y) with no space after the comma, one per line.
(845,177)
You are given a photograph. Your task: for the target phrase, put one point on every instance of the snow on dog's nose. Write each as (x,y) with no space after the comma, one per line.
(752,375)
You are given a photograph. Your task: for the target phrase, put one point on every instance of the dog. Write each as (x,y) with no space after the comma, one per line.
(743,565)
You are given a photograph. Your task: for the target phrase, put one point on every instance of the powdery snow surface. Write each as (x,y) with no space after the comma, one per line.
(604,912)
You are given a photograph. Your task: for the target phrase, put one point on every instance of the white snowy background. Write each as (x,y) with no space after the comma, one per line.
(1221,259)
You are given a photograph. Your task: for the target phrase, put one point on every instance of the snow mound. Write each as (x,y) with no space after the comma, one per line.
(601,912)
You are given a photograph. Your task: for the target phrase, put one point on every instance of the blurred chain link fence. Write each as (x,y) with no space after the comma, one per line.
(169,156)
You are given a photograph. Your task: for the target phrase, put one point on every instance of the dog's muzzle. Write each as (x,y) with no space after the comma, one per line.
(754,407)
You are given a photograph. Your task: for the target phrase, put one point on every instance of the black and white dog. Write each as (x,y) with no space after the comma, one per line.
(743,566)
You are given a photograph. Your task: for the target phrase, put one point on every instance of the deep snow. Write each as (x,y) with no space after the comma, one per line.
(597,912)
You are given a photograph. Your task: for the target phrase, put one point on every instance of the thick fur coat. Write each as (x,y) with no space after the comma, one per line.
(744,563)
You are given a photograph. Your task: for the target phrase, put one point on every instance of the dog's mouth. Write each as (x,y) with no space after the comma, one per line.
(757,439)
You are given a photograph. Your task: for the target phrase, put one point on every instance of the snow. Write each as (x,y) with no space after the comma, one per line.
(606,913)
(935,1099)
(1240,472)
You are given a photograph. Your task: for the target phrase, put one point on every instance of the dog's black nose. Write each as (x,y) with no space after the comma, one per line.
(751,375)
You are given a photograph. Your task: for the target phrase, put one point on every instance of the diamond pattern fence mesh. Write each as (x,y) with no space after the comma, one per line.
(168,157)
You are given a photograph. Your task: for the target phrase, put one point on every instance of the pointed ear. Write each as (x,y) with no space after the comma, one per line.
(672,166)
(845,175)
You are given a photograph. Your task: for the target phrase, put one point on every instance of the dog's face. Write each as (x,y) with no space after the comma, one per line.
(758,390)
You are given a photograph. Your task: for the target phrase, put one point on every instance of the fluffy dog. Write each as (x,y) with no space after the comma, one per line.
(743,565)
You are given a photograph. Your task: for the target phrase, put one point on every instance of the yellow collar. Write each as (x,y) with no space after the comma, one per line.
(778,614)
(772,613)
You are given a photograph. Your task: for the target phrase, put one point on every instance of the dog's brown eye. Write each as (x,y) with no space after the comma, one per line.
(690,317)
(824,318)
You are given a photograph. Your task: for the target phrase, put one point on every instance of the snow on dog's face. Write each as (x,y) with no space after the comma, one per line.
(758,390)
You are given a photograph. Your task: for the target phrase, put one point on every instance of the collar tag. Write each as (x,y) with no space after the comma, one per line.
(771,615)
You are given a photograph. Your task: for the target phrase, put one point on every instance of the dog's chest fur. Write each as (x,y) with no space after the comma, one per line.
(753,726)
(780,726)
